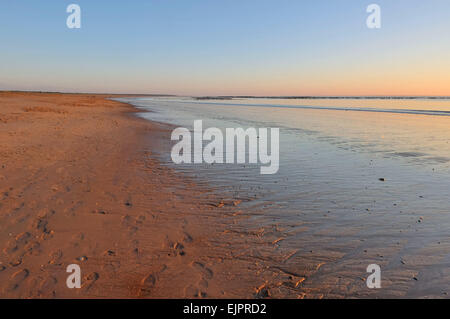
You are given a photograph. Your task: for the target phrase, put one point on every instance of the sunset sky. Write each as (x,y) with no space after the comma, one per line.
(227,47)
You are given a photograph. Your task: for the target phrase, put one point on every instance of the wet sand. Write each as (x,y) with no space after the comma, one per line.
(79,185)
(337,204)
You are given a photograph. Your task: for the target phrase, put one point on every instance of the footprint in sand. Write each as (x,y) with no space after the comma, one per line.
(33,248)
(16,262)
(17,243)
(262,292)
(17,279)
(203,284)
(89,281)
(194,292)
(175,248)
(206,272)
(47,287)
(198,291)
(40,224)
(147,284)
(110,265)
(149,281)
(178,249)
(55,257)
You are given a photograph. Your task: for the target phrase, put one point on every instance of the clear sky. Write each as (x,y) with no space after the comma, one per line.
(227,47)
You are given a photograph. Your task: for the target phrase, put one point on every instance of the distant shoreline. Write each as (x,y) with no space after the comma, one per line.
(230,97)
(325,97)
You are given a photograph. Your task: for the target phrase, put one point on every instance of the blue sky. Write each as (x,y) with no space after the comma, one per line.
(200,47)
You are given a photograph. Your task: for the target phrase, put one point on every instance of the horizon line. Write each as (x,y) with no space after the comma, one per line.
(217,97)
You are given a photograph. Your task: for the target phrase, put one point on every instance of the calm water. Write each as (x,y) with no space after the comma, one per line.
(326,205)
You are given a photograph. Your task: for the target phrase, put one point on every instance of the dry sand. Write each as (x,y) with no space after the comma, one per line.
(78,184)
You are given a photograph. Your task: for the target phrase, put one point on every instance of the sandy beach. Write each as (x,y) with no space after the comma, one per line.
(83,181)
(247,151)
(79,185)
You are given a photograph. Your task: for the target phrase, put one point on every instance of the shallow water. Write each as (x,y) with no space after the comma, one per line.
(325,215)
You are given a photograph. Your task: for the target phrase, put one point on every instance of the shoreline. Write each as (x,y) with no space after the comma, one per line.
(332,209)
(79,185)
(82,181)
